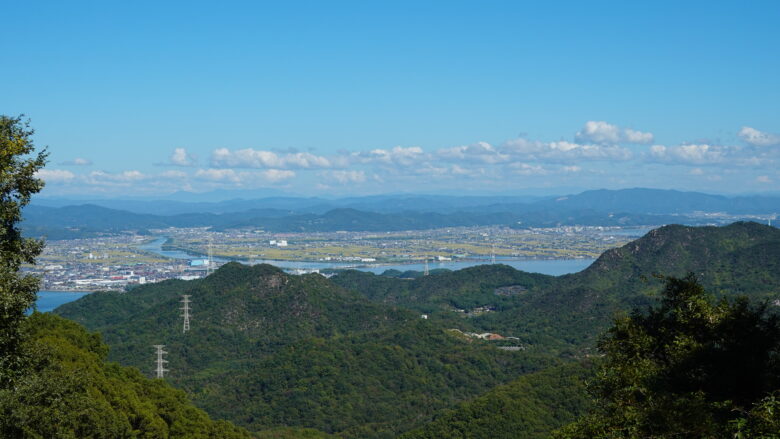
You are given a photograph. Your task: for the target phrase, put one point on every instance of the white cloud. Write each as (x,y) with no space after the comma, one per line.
(758,138)
(658,151)
(275,175)
(124,176)
(606,147)
(526,169)
(604,133)
(481,151)
(457,170)
(243,178)
(55,175)
(180,157)
(344,177)
(78,161)
(398,155)
(564,151)
(430,170)
(252,158)
(701,154)
(632,136)
(598,132)
(212,174)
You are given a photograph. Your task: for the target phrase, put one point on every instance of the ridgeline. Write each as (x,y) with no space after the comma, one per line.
(351,355)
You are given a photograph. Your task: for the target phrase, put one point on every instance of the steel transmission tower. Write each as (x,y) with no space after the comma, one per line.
(425,273)
(210,261)
(160,370)
(185,301)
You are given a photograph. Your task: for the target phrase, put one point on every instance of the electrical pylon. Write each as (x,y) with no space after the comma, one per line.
(160,370)
(185,301)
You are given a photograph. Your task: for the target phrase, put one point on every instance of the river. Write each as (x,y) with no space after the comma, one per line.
(48,300)
(554,267)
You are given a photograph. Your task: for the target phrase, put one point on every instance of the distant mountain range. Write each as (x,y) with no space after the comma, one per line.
(637,200)
(394,212)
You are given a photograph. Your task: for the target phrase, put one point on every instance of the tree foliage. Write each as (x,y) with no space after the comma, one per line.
(69,391)
(268,350)
(54,381)
(691,367)
(18,165)
(528,407)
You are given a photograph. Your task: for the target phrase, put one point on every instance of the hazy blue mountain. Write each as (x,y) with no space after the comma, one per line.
(90,220)
(636,200)
(628,207)
(376,203)
(655,201)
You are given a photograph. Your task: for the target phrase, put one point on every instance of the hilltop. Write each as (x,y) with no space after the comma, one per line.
(738,259)
(352,356)
(570,311)
(269,349)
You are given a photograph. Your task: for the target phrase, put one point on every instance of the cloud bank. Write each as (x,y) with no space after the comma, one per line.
(597,154)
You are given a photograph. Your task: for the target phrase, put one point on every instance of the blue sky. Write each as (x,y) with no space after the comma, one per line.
(149,98)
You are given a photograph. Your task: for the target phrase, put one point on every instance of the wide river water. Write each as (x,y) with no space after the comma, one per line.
(555,267)
(48,300)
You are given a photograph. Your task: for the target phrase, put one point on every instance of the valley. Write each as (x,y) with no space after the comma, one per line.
(351,355)
(120,260)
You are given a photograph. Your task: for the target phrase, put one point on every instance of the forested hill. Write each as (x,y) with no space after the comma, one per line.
(351,355)
(69,390)
(740,257)
(570,311)
(267,349)
(528,407)
(237,310)
(466,288)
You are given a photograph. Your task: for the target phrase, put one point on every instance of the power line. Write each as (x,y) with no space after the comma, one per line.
(160,370)
(185,301)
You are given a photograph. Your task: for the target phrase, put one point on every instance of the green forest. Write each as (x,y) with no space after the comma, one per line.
(68,389)
(351,356)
